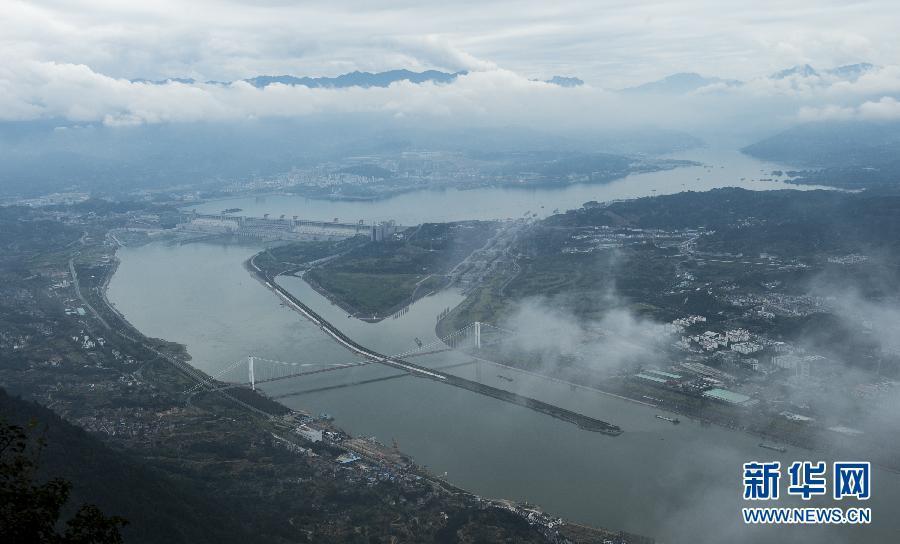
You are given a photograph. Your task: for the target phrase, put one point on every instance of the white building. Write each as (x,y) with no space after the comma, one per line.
(746,348)
(313,435)
(798,366)
(737,335)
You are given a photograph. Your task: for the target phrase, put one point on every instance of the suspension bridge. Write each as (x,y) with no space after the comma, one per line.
(401,362)
(255,370)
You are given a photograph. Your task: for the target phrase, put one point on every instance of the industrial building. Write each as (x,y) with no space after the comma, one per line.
(730,397)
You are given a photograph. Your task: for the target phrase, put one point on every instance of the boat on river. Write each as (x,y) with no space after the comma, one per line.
(672,420)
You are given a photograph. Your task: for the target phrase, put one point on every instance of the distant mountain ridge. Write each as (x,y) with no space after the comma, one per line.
(804,70)
(852,71)
(849,154)
(565,81)
(846,72)
(687,82)
(679,83)
(358,79)
(683,82)
(831,144)
(353,79)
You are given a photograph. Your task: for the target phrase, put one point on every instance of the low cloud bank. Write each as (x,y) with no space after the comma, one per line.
(32,90)
(556,336)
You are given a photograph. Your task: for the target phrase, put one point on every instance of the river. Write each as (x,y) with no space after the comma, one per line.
(676,483)
(721,168)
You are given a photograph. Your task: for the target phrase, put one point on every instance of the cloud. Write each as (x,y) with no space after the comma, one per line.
(880,317)
(489,96)
(79,94)
(811,45)
(550,332)
(74,61)
(437,51)
(611,44)
(887,108)
(825,113)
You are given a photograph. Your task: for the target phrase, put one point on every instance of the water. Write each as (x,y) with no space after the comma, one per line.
(676,483)
(722,168)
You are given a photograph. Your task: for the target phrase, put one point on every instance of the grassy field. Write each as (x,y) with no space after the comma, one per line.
(379,278)
(295,255)
(368,294)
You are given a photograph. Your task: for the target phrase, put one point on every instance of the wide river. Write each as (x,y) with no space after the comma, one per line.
(721,168)
(676,483)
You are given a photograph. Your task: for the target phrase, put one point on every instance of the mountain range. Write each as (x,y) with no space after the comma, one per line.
(829,144)
(847,154)
(684,82)
(679,83)
(849,72)
(687,82)
(353,79)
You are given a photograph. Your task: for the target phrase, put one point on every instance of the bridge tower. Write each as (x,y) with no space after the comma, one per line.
(250,370)
(478,335)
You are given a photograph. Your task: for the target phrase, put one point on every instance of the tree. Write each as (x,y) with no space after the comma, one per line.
(30,511)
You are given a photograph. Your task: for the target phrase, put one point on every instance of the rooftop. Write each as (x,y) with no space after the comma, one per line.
(648,377)
(668,375)
(731,397)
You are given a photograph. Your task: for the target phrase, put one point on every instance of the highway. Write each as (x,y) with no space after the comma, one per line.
(583,421)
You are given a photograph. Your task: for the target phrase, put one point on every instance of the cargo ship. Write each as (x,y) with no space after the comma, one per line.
(673,420)
(772,447)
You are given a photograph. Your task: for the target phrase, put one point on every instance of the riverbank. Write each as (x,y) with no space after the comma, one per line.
(271,417)
(492,449)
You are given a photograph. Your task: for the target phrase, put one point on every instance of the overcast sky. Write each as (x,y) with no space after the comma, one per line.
(72,59)
(607,43)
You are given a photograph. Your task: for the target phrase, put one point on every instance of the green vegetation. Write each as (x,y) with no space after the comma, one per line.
(795,223)
(743,242)
(25,237)
(30,510)
(806,273)
(582,283)
(77,467)
(379,278)
(297,255)
(369,293)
